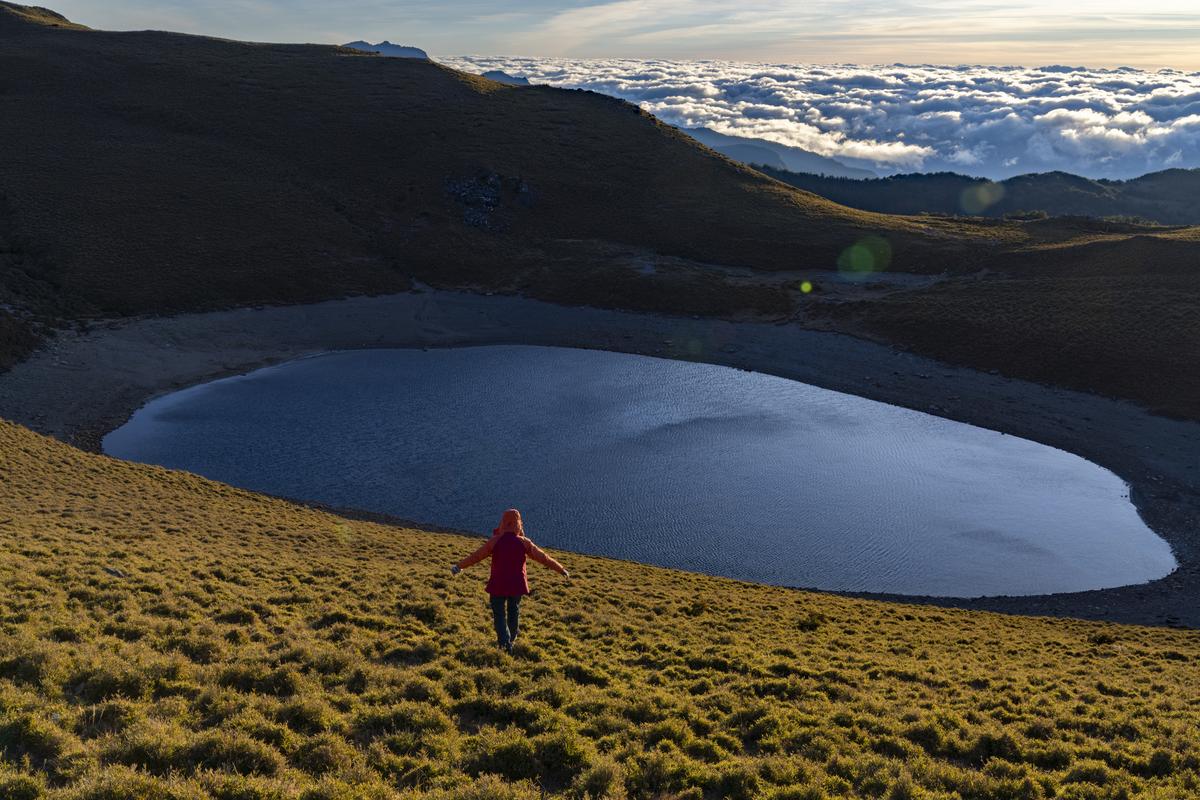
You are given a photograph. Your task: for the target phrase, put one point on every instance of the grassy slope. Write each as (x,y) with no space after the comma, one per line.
(1114,312)
(1118,317)
(165,636)
(1139,339)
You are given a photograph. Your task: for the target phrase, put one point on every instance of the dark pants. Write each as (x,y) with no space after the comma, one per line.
(506,619)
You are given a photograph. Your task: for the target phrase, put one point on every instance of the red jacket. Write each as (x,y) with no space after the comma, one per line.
(509,550)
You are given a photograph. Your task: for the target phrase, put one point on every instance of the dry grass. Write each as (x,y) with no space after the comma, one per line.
(163,636)
(1128,336)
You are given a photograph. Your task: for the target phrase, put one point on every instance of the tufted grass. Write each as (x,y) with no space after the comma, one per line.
(163,636)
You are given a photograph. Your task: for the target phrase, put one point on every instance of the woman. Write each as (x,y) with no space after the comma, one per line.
(508,583)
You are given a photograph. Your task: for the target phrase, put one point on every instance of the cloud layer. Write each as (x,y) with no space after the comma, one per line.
(989,121)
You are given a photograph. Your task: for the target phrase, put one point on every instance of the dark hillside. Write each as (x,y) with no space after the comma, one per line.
(163,171)
(155,172)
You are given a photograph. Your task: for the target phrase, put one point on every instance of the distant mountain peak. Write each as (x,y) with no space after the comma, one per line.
(386,48)
(36,15)
(501,76)
(775,155)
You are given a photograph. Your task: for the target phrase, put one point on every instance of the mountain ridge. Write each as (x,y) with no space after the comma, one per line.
(1164,197)
(386,48)
(500,76)
(792,159)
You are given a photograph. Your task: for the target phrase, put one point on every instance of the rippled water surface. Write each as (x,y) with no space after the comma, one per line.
(686,465)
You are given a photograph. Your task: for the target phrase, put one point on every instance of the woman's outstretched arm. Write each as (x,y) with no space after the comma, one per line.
(539,555)
(483,552)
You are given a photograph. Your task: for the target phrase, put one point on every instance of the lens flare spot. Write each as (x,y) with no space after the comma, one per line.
(806,286)
(980,197)
(867,255)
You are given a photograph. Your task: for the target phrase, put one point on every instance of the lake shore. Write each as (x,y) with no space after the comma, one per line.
(82,385)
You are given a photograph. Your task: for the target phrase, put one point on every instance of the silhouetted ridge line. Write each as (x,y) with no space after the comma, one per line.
(1167,197)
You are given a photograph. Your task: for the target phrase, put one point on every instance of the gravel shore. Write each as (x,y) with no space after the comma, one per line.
(81,385)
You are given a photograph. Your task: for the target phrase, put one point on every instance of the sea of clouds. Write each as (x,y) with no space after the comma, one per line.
(988,121)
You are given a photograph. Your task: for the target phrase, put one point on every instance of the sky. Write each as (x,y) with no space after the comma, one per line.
(1150,34)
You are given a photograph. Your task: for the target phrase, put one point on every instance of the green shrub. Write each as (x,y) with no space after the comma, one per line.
(1089,771)
(326,753)
(122,783)
(604,779)
(1056,756)
(152,745)
(113,716)
(737,782)
(671,730)
(477,712)
(585,675)
(494,787)
(203,648)
(99,683)
(1159,764)
(65,633)
(658,773)
(991,745)
(30,663)
(16,786)
(508,753)
(430,612)
(798,793)
(256,726)
(475,655)
(308,715)
(562,757)
(30,736)
(237,616)
(555,692)
(232,752)
(399,718)
(258,677)
(423,690)
(222,786)
(422,652)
